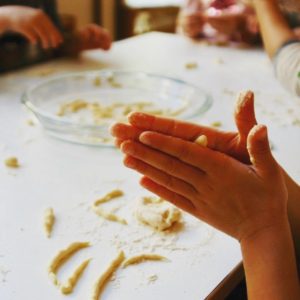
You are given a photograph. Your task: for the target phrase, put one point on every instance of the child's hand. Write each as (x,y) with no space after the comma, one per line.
(93,36)
(239,199)
(33,23)
(230,143)
(191,25)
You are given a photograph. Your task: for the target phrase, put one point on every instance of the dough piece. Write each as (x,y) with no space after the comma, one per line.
(141,258)
(109,216)
(73,107)
(216,124)
(49,219)
(157,213)
(12,162)
(68,287)
(97,81)
(111,80)
(109,196)
(191,65)
(62,256)
(102,280)
(202,140)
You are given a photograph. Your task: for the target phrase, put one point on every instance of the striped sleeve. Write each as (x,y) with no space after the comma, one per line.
(287,66)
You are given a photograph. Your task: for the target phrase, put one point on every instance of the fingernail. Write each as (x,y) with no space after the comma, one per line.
(144,138)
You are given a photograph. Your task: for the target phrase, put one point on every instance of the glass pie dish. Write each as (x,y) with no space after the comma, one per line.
(80,107)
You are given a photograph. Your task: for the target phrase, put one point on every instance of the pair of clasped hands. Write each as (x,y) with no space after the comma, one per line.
(37,27)
(233,184)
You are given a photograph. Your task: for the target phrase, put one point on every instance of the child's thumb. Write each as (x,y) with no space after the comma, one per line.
(259,149)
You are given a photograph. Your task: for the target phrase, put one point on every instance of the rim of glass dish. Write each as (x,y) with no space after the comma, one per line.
(25,98)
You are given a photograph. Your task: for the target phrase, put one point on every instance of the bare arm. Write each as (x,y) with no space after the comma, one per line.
(274,28)
(270,264)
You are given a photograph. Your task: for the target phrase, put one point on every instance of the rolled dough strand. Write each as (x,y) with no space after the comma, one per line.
(68,287)
(102,280)
(109,216)
(141,258)
(62,256)
(49,220)
(109,196)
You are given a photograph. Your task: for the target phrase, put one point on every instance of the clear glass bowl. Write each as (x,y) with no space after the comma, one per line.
(80,107)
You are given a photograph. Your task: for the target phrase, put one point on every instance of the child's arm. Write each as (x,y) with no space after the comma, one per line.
(248,202)
(273,26)
(33,23)
(229,143)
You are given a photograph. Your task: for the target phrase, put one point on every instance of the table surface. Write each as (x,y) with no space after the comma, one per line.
(70,177)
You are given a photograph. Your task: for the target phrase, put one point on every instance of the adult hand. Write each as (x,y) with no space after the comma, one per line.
(32,23)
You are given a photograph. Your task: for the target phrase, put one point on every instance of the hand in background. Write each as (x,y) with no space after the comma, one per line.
(191,24)
(32,23)
(93,36)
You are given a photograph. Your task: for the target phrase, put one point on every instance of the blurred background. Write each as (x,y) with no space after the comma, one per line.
(124,18)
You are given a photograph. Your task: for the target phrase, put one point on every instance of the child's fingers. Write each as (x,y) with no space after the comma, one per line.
(168,195)
(170,182)
(165,163)
(176,128)
(191,153)
(125,132)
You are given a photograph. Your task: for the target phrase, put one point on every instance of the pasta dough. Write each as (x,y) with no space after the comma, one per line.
(157,213)
(12,162)
(62,256)
(202,140)
(109,196)
(100,283)
(49,220)
(141,258)
(68,287)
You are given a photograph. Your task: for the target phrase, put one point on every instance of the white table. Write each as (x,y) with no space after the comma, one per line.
(70,177)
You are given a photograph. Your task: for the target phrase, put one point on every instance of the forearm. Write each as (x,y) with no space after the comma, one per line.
(270,264)
(294,211)
(274,28)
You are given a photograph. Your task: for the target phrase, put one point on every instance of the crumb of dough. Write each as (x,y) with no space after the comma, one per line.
(49,219)
(202,140)
(158,214)
(97,81)
(67,288)
(109,216)
(141,258)
(219,61)
(12,162)
(109,196)
(102,280)
(216,124)
(152,278)
(29,122)
(73,107)
(191,65)
(62,256)
(111,80)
